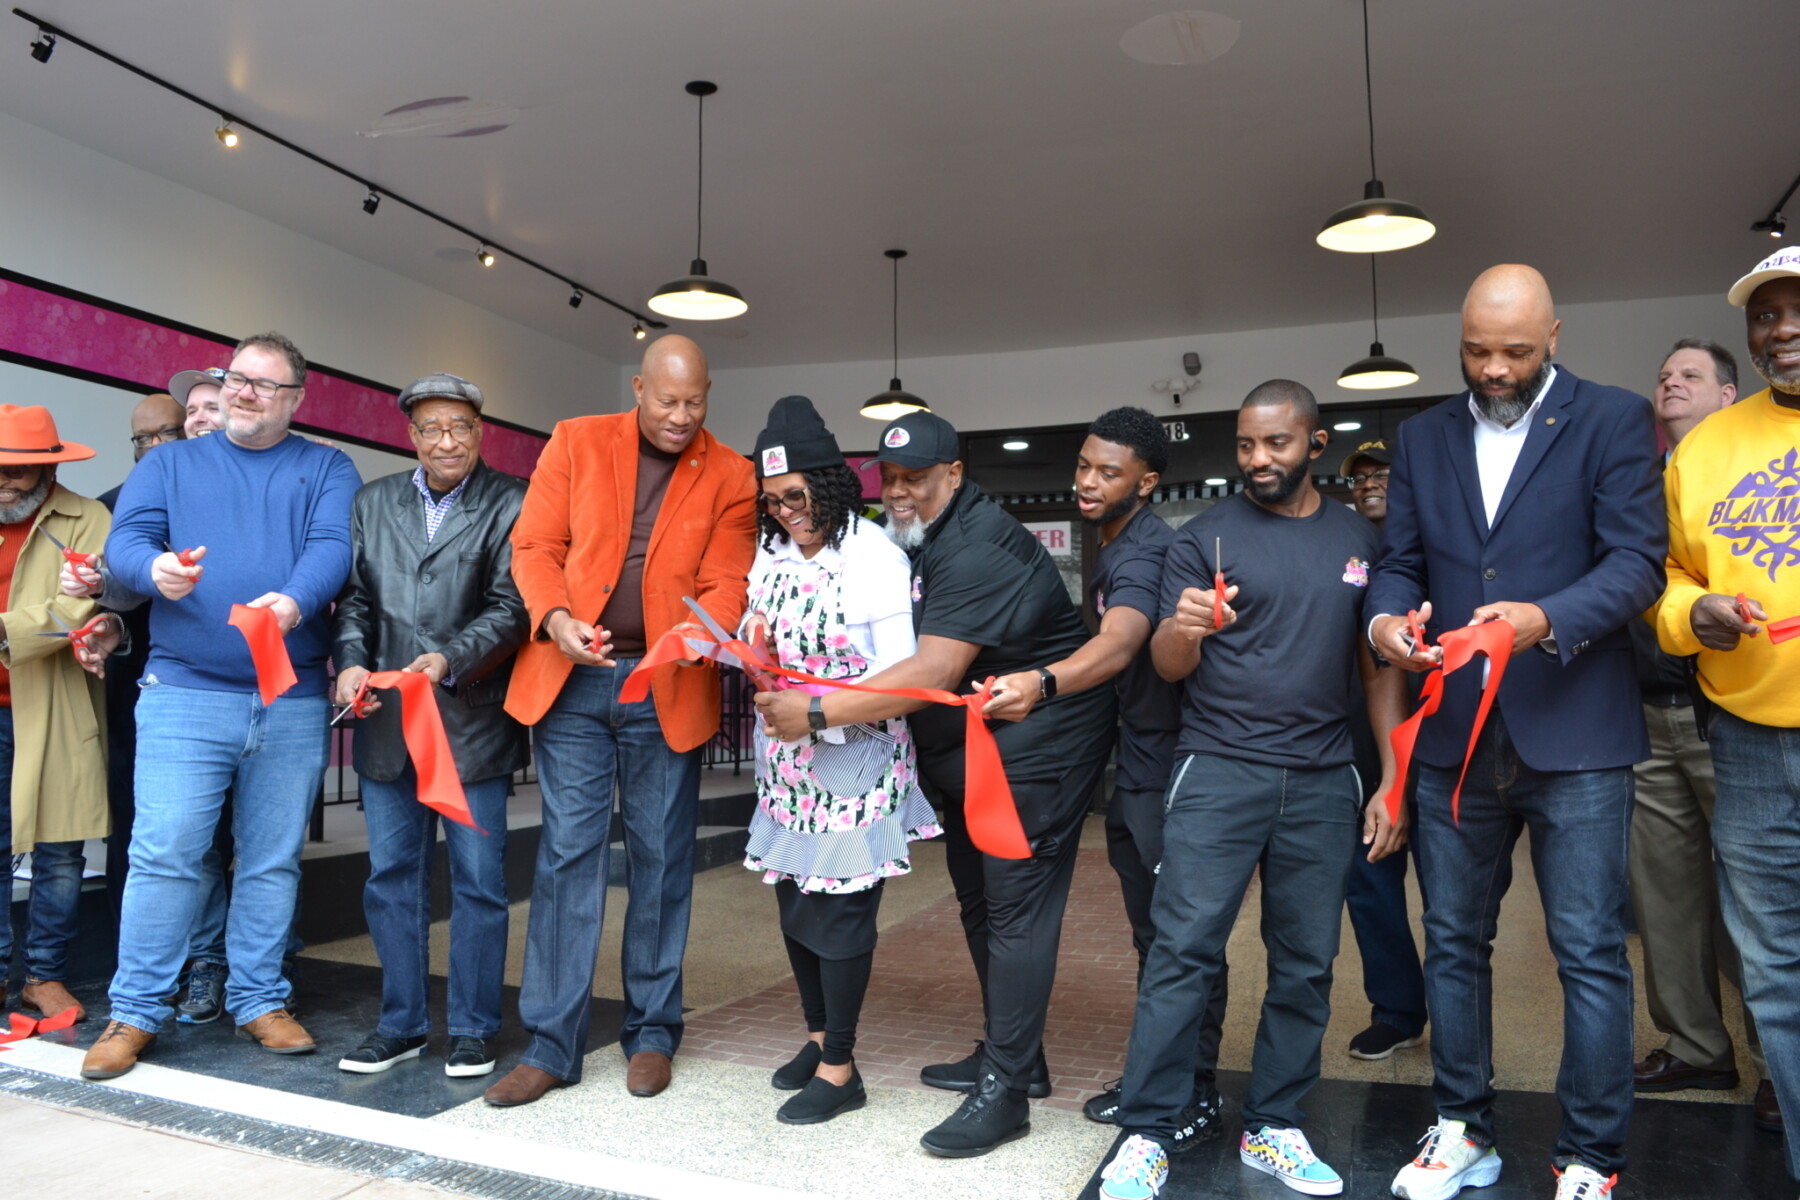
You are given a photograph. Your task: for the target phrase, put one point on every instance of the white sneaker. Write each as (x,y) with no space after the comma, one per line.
(1578,1181)
(1449,1163)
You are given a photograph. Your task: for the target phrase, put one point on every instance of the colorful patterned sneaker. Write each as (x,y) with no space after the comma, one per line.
(1449,1163)
(1577,1181)
(1288,1156)
(1137,1171)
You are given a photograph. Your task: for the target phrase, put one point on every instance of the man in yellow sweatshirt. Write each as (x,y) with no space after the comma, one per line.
(1733,493)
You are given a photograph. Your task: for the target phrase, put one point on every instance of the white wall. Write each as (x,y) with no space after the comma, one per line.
(1619,342)
(88,222)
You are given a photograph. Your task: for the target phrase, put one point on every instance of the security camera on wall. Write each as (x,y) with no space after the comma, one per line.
(1177,388)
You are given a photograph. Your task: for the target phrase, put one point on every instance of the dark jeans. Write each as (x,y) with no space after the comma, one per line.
(1579,822)
(1393,981)
(1756,830)
(397,899)
(1134,841)
(588,745)
(1012,910)
(1227,818)
(53,911)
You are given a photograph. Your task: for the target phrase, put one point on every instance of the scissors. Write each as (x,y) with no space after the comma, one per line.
(76,558)
(757,671)
(1218,588)
(78,638)
(1743,609)
(1416,631)
(184,557)
(356,708)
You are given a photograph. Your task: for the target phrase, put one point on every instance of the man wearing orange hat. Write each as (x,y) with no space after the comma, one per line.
(52,771)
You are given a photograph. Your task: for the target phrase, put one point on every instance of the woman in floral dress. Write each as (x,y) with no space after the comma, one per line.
(830,596)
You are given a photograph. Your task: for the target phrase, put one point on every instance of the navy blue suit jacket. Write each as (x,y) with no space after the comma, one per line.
(1580,532)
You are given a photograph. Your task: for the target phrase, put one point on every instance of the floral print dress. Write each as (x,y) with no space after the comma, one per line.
(834,811)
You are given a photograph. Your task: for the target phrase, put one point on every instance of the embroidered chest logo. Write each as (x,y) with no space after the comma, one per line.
(1356,573)
(917,595)
(1761,516)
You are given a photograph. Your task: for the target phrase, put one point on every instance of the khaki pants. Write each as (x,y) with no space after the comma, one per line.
(1675,896)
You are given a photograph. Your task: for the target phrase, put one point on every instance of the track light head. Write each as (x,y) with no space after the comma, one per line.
(575,298)
(44,46)
(228,137)
(1777,225)
(484,256)
(638,332)
(371,202)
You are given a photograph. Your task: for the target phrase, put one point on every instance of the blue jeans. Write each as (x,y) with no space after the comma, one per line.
(193,745)
(588,744)
(1756,831)
(52,911)
(206,943)
(1579,822)
(397,899)
(1376,899)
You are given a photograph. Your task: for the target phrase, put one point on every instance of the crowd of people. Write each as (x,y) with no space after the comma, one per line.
(1246,675)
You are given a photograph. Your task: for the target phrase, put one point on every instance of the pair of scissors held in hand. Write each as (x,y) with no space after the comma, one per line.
(75,557)
(757,671)
(78,638)
(184,557)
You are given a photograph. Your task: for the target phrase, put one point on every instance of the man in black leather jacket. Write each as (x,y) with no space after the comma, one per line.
(431,590)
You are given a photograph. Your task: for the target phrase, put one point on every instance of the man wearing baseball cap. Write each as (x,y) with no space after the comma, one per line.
(431,591)
(52,773)
(1733,495)
(198,393)
(987,601)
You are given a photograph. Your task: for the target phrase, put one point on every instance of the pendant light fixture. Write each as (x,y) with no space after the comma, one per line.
(1377,371)
(1375,223)
(698,296)
(896,401)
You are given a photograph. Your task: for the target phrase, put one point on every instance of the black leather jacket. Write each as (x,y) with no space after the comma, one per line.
(452,596)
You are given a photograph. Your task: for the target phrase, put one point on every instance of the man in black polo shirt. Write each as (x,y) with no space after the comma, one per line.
(987,600)
(1119,466)
(1263,777)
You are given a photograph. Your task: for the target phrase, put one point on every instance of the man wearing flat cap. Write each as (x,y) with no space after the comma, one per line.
(987,601)
(52,713)
(431,590)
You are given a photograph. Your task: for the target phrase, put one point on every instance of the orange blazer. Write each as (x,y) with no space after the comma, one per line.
(569,546)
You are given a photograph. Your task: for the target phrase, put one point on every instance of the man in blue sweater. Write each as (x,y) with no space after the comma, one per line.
(263,518)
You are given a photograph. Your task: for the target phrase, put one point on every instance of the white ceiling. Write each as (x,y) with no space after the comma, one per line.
(1051,190)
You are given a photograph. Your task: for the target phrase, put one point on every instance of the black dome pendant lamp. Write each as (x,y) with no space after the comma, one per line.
(1378,371)
(697,296)
(896,401)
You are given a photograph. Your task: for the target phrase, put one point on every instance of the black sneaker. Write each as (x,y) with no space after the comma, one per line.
(798,1071)
(469,1056)
(1104,1108)
(962,1075)
(821,1100)
(1199,1122)
(205,1000)
(1380,1040)
(991,1115)
(378,1052)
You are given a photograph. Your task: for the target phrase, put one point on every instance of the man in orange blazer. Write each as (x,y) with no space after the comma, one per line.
(626,514)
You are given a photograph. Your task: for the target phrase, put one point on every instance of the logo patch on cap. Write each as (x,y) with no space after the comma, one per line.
(774,461)
(896,438)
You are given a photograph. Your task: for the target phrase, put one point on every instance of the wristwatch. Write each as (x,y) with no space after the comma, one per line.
(815,714)
(1046,683)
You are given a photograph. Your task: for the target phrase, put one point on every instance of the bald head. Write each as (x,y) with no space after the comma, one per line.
(1509,329)
(155,420)
(671,388)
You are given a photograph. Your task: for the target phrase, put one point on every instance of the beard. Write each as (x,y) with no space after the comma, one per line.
(1108,516)
(1506,408)
(29,503)
(908,535)
(1286,484)
(1785,382)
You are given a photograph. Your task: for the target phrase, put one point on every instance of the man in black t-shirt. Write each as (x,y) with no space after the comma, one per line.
(1119,466)
(987,601)
(1263,777)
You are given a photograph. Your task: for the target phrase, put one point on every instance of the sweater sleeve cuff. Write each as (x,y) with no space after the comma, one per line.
(1674,626)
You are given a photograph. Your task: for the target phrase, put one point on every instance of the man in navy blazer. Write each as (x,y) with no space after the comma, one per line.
(1534,497)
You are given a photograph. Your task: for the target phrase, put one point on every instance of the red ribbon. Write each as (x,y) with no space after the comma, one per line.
(24,1026)
(992,817)
(274,669)
(1492,638)
(439,786)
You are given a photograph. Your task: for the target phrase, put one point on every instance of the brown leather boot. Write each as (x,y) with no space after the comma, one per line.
(279,1033)
(49,998)
(116,1051)
(522,1085)
(647,1073)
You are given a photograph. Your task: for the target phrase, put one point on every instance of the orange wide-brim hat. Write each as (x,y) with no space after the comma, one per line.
(28,435)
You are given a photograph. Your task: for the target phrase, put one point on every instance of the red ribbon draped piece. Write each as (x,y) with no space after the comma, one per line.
(24,1026)
(274,669)
(993,819)
(1492,638)
(439,787)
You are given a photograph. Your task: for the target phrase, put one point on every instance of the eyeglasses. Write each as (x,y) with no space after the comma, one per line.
(168,433)
(1362,477)
(462,431)
(234,381)
(794,501)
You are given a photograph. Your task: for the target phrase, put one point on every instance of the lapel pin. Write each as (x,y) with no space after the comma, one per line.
(1549,420)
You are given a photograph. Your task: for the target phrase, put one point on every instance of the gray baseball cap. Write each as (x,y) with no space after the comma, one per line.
(439,386)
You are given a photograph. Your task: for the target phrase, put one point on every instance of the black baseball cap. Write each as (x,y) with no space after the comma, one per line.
(1376,452)
(919,439)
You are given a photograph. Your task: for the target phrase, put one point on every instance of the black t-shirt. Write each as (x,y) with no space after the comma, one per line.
(981,577)
(1274,687)
(1128,574)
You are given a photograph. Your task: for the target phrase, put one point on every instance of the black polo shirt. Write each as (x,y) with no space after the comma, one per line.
(1128,574)
(1275,686)
(981,577)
